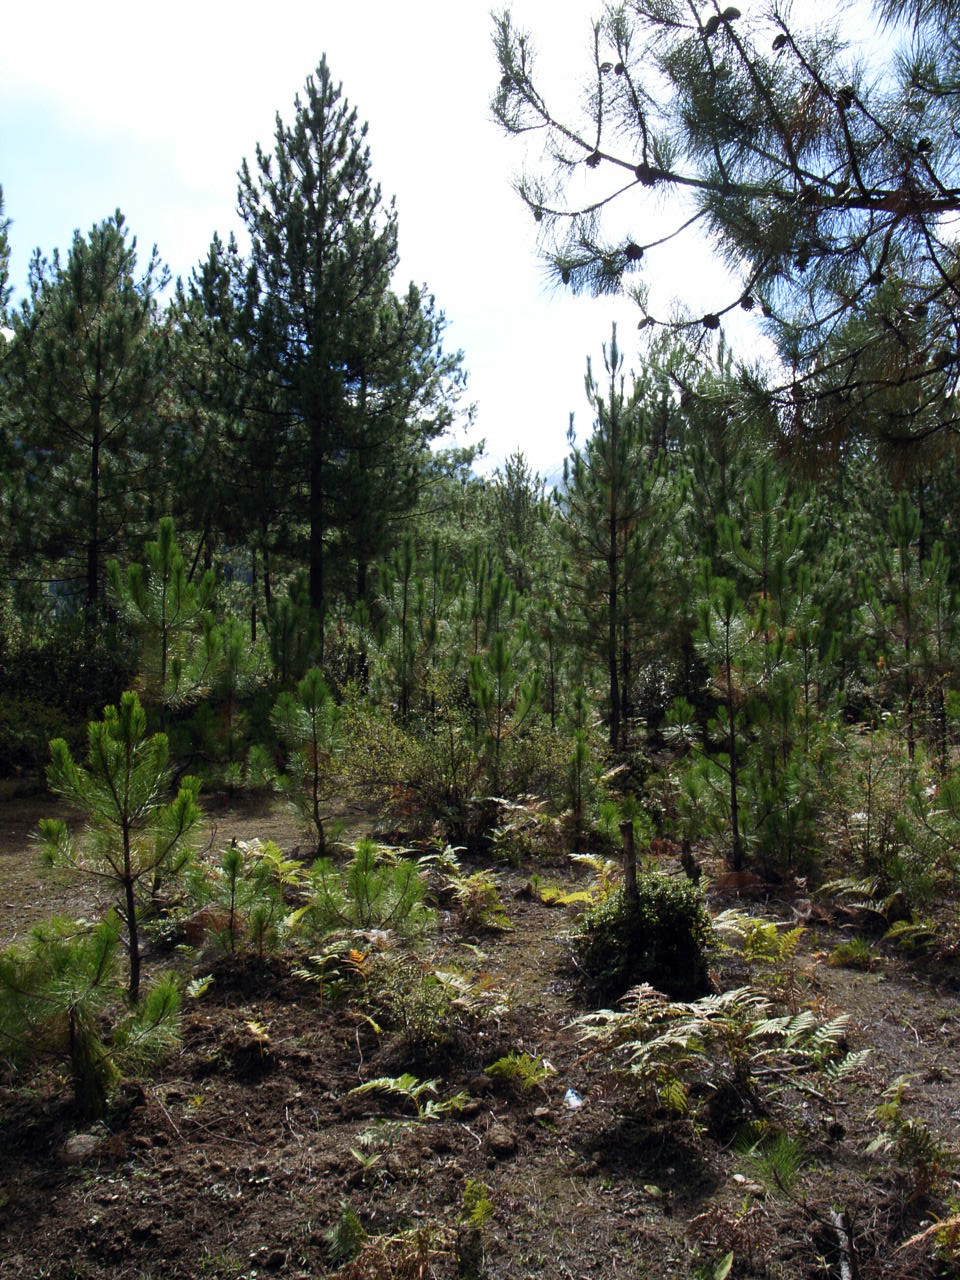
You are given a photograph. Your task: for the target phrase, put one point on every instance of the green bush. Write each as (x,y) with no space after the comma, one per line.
(62,666)
(662,941)
(26,726)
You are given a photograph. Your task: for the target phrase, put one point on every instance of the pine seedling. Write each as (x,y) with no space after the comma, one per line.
(168,610)
(58,994)
(132,836)
(307,725)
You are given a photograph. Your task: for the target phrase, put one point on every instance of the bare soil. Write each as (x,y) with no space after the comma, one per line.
(241,1154)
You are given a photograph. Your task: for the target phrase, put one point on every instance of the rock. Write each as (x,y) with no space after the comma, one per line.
(81,1147)
(752,1188)
(542,1114)
(501,1140)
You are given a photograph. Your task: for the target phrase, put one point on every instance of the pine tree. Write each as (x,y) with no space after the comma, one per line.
(910,616)
(506,692)
(825,175)
(612,489)
(4,264)
(58,993)
(401,390)
(133,834)
(87,371)
(517,502)
(222,488)
(353,378)
(307,725)
(168,611)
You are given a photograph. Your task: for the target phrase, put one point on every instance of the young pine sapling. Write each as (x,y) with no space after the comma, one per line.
(133,835)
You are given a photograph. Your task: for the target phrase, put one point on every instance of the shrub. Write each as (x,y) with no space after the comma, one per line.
(26,726)
(662,940)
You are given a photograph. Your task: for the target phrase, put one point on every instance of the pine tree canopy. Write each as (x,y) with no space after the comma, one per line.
(85,377)
(4,263)
(828,181)
(351,379)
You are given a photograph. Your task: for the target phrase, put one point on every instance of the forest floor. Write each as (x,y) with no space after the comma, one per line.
(239,1156)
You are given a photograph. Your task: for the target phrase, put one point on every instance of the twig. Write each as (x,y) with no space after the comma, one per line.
(848,1257)
(170,1119)
(477,1140)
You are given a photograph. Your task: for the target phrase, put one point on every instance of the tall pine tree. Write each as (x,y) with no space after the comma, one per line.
(87,373)
(353,379)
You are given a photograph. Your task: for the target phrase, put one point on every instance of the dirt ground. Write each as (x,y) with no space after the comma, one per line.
(240,1156)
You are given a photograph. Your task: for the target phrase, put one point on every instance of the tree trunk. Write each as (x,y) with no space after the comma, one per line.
(629,864)
(253,596)
(612,637)
(737,861)
(317,530)
(93,544)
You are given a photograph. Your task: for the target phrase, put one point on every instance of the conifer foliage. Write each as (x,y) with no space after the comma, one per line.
(827,179)
(353,377)
(87,371)
(135,834)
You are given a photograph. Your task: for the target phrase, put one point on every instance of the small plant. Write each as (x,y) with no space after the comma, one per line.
(775,1160)
(475,1213)
(767,948)
(407,1255)
(373,892)
(243,901)
(59,996)
(913,936)
(346,1237)
(662,939)
(917,1150)
(606,874)
(521,1071)
(855,953)
(478,900)
(132,836)
(419,1093)
(339,969)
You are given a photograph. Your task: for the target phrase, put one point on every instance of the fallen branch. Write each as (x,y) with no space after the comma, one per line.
(848,1257)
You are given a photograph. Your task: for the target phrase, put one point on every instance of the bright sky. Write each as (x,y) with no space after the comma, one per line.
(151,109)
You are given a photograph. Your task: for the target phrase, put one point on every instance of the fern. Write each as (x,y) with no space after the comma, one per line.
(409,1089)
(346,1237)
(521,1071)
(733,1039)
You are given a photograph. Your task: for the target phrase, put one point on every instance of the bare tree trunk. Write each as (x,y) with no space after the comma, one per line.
(629,863)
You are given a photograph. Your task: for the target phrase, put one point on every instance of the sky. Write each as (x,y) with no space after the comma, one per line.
(151,109)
